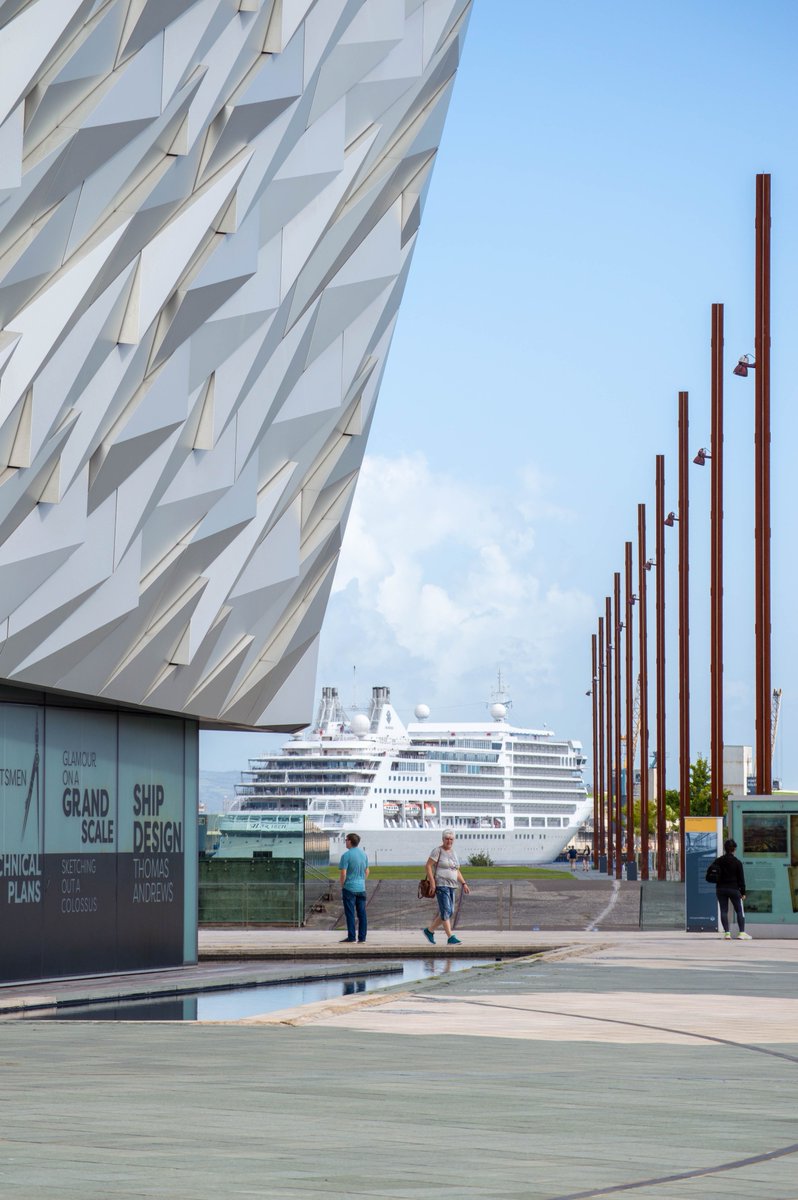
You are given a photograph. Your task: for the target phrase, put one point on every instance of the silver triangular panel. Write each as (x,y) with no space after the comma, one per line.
(208,221)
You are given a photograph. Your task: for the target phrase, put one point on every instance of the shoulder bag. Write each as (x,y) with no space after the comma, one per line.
(424,888)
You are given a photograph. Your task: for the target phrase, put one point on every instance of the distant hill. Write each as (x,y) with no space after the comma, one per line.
(214,786)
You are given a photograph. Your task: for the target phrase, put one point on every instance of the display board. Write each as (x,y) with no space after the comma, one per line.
(21,842)
(80,802)
(152,837)
(765,829)
(94,812)
(703,843)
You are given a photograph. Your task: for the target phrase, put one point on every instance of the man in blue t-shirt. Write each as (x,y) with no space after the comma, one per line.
(354,868)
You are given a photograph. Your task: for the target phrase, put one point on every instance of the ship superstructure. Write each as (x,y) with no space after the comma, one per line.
(514,793)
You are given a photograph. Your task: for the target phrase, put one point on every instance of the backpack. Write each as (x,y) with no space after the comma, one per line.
(713,872)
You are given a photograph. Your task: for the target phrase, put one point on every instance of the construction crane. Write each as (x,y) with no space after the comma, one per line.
(636,719)
(635,737)
(775,710)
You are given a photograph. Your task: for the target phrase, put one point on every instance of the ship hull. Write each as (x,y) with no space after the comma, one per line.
(403,847)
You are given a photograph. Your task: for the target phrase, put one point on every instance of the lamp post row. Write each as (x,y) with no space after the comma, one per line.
(608,766)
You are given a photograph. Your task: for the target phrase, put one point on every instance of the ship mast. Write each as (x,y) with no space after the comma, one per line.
(499,694)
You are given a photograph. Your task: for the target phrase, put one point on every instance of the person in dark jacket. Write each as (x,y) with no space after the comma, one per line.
(730,886)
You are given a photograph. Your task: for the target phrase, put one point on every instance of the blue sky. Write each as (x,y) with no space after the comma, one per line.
(593,195)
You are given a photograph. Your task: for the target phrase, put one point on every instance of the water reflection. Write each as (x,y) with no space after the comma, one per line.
(157,1008)
(233,1004)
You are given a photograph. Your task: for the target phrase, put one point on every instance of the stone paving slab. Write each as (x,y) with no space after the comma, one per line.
(225,1110)
(237,944)
(622,1018)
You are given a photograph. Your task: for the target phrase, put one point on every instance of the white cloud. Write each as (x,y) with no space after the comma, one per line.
(438,584)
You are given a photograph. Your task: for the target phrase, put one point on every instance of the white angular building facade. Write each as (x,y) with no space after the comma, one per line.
(207,214)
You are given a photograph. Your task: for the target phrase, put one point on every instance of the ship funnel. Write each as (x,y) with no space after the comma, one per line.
(383,721)
(380,696)
(330,718)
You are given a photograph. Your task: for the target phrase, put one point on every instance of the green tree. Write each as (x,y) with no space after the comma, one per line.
(671,811)
(672,806)
(700,799)
(700,788)
(652,815)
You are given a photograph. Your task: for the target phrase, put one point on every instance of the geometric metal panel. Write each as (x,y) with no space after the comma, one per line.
(207,214)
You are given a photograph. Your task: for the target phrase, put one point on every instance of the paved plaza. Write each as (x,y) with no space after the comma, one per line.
(659,1066)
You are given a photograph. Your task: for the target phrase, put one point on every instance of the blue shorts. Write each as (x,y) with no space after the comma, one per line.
(445,898)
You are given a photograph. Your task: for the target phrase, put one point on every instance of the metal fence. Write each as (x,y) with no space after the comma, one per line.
(251,892)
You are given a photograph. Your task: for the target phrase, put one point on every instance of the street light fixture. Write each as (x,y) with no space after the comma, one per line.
(670,520)
(700,459)
(744,365)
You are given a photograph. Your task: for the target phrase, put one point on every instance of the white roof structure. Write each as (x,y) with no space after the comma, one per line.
(207,214)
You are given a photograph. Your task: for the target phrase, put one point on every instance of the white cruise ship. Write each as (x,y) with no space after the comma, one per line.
(515,794)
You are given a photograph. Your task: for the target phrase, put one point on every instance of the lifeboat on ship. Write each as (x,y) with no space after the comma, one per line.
(390,808)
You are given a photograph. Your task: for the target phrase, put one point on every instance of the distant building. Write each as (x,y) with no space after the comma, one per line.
(738,767)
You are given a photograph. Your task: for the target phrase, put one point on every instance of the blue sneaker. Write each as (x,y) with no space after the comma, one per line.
(429,935)
(453,941)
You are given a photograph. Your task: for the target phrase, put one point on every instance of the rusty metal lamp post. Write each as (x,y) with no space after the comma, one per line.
(630,766)
(764,753)
(642,565)
(684,625)
(593,693)
(662,866)
(716,565)
(601,863)
(618,851)
(609,753)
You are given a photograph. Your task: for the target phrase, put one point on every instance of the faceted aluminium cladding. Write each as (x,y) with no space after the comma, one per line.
(207,214)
